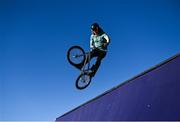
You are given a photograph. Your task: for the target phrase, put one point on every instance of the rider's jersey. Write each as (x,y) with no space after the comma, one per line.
(99,41)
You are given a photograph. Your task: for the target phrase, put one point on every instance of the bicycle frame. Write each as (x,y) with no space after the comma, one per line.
(87,60)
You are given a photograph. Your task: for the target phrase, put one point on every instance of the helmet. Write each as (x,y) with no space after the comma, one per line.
(94,26)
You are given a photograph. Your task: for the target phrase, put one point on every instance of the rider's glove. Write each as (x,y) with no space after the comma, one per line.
(92,49)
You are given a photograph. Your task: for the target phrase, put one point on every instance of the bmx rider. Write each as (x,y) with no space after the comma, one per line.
(99,42)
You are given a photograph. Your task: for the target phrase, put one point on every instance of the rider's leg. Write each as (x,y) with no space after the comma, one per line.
(100,56)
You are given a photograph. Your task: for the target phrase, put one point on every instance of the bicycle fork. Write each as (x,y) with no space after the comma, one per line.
(87,60)
(83,70)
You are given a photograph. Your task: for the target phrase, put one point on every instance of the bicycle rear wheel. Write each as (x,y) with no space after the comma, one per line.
(76,55)
(83,81)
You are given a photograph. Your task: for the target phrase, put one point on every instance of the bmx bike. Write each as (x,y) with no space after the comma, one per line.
(81,60)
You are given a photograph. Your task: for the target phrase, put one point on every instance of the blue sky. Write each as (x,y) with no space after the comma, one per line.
(37,82)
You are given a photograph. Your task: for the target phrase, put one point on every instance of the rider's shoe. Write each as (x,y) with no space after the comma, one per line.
(86,71)
(91,73)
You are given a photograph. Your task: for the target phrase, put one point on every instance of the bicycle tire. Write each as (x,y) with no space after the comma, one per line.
(78,81)
(76,50)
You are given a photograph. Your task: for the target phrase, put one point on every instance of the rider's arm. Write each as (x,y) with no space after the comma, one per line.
(91,42)
(106,39)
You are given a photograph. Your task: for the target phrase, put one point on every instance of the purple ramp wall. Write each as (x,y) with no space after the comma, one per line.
(152,95)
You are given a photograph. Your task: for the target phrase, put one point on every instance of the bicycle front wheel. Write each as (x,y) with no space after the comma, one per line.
(76,55)
(83,81)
